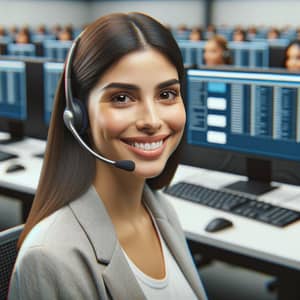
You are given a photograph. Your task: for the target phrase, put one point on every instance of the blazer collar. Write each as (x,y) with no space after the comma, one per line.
(92,215)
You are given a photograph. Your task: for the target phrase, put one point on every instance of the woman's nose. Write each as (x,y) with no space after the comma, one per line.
(149,119)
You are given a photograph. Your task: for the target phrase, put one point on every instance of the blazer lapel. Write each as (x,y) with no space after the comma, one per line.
(179,251)
(95,221)
(120,280)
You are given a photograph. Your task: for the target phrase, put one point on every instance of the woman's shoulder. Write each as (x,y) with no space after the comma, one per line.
(53,232)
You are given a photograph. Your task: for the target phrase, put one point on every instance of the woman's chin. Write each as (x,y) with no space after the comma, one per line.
(148,171)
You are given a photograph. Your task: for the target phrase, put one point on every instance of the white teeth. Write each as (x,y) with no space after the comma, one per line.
(148,146)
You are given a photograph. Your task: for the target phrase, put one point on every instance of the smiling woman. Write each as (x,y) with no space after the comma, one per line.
(96,231)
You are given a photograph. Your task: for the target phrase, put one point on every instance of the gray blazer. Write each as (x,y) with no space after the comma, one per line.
(74,254)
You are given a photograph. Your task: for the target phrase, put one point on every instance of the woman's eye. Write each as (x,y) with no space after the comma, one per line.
(121,99)
(168,95)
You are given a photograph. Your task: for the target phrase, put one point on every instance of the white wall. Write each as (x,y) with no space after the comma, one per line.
(168,12)
(256,12)
(21,12)
(190,12)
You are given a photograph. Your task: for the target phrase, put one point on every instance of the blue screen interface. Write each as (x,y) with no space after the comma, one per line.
(13,90)
(255,113)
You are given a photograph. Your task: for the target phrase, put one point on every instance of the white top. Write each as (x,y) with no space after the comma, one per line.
(172,286)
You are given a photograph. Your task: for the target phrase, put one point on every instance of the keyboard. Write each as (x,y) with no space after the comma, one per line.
(5,156)
(236,203)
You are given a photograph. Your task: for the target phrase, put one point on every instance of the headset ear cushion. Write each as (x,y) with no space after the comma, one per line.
(81,116)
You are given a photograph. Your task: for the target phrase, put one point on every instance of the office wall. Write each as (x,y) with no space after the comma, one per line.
(168,12)
(190,12)
(20,12)
(257,12)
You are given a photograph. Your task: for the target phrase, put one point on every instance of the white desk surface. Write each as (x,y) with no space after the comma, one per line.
(249,237)
(24,180)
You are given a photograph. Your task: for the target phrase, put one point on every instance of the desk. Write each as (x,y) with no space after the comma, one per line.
(22,184)
(248,243)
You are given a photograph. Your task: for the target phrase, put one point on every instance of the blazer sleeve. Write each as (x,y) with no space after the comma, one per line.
(35,276)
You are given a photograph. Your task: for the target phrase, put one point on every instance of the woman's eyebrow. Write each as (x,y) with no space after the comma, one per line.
(119,85)
(128,86)
(168,83)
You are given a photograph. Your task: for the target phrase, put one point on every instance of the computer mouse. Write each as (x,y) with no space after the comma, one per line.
(218,224)
(14,168)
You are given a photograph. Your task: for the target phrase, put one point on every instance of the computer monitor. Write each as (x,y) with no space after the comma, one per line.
(56,50)
(38,86)
(246,122)
(13,100)
(52,74)
(21,49)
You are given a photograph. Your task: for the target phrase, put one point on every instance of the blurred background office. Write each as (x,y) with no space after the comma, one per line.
(237,33)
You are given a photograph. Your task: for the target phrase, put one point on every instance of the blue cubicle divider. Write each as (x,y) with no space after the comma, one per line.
(282,42)
(13,90)
(192,52)
(52,73)
(5,39)
(57,50)
(21,49)
(245,54)
(227,33)
(250,54)
(38,38)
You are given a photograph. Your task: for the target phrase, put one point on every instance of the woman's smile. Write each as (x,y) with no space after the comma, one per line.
(147,147)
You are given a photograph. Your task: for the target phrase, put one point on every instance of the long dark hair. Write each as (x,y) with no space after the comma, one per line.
(68,170)
(292,43)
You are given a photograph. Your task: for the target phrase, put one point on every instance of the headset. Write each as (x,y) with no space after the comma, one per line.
(76,117)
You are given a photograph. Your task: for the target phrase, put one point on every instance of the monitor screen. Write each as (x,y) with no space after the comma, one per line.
(27,90)
(13,90)
(56,50)
(239,120)
(21,49)
(52,74)
(13,99)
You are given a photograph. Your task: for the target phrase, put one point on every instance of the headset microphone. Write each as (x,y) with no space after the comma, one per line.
(76,117)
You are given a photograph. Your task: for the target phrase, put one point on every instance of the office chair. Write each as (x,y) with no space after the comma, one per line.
(8,254)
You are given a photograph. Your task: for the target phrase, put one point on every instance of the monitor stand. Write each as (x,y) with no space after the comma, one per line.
(259,174)
(16,131)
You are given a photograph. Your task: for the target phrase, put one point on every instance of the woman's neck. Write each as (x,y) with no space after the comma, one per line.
(120,191)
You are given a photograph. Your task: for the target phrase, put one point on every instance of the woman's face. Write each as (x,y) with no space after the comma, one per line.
(293,58)
(137,113)
(213,54)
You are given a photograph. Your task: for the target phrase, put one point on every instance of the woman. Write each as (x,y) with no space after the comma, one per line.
(216,51)
(96,231)
(292,56)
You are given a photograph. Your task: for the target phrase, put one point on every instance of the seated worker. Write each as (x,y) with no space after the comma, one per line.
(66,34)
(195,34)
(23,36)
(98,228)
(273,34)
(251,32)
(216,52)
(292,56)
(239,35)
